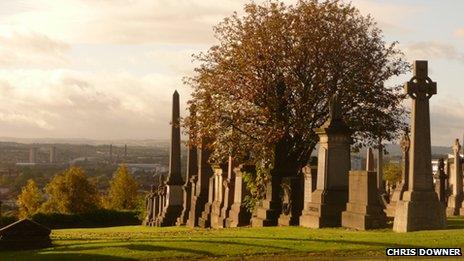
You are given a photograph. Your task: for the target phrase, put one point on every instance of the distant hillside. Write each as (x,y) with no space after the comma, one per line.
(121,142)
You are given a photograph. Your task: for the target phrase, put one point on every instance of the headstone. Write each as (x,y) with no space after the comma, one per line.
(402,186)
(200,197)
(364,210)
(370,163)
(149,200)
(228,187)
(455,181)
(292,200)
(205,219)
(192,170)
(440,182)
(420,208)
(220,174)
(310,177)
(238,214)
(24,234)
(329,199)
(173,204)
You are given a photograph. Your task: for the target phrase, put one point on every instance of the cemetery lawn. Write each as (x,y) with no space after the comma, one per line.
(138,242)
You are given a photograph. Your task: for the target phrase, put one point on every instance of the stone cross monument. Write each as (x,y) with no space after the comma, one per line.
(455,182)
(173,202)
(420,208)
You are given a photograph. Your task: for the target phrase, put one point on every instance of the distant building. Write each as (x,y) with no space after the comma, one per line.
(33,155)
(52,155)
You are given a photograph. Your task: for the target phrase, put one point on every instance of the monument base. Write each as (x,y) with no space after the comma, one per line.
(169,216)
(238,216)
(205,219)
(419,210)
(326,209)
(266,215)
(196,208)
(363,217)
(216,221)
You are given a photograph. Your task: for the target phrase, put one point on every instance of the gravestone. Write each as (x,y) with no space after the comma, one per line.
(292,200)
(420,208)
(380,181)
(220,174)
(228,186)
(149,207)
(402,186)
(455,181)
(310,176)
(440,182)
(200,184)
(364,209)
(192,170)
(205,218)
(238,214)
(331,194)
(173,191)
(24,234)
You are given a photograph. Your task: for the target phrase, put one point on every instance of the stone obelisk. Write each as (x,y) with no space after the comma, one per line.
(455,182)
(420,208)
(173,202)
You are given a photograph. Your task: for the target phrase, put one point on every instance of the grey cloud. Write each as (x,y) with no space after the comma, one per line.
(433,50)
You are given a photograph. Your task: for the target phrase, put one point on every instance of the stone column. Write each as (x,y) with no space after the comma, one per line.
(370,163)
(440,182)
(228,187)
(420,208)
(455,182)
(201,185)
(173,206)
(331,195)
(220,174)
(402,186)
(238,215)
(205,218)
(310,176)
(192,170)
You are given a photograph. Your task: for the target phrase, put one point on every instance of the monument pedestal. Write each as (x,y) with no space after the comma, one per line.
(173,208)
(454,205)
(267,213)
(419,210)
(326,208)
(364,210)
(205,219)
(292,201)
(238,215)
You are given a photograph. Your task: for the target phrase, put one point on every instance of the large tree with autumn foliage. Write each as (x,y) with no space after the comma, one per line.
(269,80)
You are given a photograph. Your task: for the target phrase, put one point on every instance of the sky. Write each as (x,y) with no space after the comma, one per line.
(106,69)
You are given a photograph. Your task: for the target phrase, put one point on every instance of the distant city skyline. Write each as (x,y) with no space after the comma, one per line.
(107,69)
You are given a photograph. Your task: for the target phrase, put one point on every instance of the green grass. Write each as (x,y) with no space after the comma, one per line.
(138,242)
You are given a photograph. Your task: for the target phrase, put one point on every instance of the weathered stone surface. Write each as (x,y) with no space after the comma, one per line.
(440,182)
(201,184)
(331,195)
(455,181)
(364,209)
(420,208)
(24,234)
(238,214)
(149,207)
(292,200)
(228,186)
(205,218)
(370,162)
(402,186)
(310,177)
(220,174)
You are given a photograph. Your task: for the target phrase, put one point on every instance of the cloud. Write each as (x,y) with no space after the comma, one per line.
(459,33)
(66,103)
(432,50)
(29,49)
(447,120)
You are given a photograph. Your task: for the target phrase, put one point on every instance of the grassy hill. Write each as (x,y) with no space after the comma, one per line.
(137,242)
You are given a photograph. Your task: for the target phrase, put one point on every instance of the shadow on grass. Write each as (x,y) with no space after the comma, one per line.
(36,255)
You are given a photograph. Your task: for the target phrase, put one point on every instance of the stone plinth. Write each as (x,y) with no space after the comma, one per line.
(310,177)
(268,210)
(331,194)
(205,218)
(228,184)
(220,174)
(238,215)
(24,234)
(364,209)
(420,208)
(292,200)
(440,182)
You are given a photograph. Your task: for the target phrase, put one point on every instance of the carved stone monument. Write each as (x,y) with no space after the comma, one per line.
(228,187)
(205,218)
(292,200)
(402,186)
(455,181)
(370,162)
(238,214)
(173,204)
(310,176)
(220,174)
(440,182)
(329,199)
(420,208)
(364,209)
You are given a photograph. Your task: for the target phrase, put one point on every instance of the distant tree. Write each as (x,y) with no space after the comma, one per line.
(269,80)
(71,192)
(123,191)
(392,173)
(30,199)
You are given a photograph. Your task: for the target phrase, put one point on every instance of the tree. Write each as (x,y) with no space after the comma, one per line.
(30,199)
(392,173)
(269,80)
(71,192)
(123,190)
